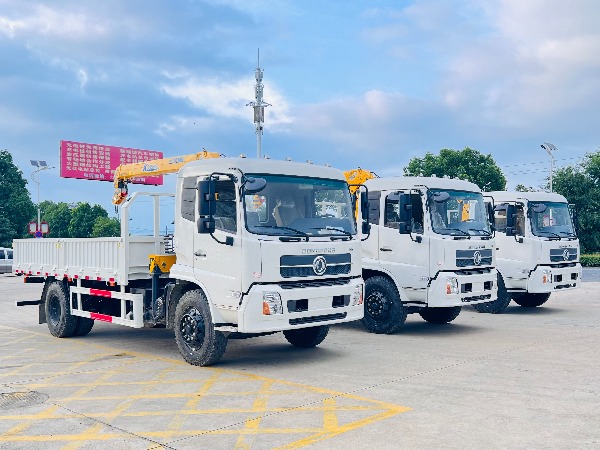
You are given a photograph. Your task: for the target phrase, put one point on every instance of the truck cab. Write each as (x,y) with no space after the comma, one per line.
(431,251)
(538,248)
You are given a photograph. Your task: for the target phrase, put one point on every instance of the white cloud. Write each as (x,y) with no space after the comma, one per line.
(229,99)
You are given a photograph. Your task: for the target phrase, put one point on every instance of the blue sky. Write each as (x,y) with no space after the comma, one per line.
(367,84)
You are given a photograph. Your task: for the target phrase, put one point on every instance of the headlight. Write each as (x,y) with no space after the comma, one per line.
(451,285)
(272,303)
(357,296)
(546,276)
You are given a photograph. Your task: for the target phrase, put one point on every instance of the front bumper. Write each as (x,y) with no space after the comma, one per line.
(469,289)
(549,279)
(302,306)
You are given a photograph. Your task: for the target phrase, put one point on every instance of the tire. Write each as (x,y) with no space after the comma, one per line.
(198,341)
(307,337)
(384,312)
(498,305)
(84,326)
(440,315)
(58,310)
(530,300)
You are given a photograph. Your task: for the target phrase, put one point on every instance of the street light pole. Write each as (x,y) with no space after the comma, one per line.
(550,148)
(41,165)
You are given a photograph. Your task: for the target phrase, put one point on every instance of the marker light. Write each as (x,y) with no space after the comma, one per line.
(546,276)
(451,285)
(357,297)
(272,303)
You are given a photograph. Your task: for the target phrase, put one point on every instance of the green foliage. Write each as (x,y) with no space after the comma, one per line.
(590,260)
(16,207)
(523,188)
(106,226)
(58,216)
(467,164)
(580,184)
(83,218)
(81,221)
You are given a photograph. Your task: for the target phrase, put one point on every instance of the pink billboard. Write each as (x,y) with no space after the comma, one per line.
(98,162)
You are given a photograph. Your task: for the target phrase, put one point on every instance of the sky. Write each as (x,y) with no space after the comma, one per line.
(351,84)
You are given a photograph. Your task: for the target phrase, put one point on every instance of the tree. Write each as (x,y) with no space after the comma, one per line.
(16,207)
(58,216)
(106,226)
(467,164)
(523,188)
(83,218)
(580,184)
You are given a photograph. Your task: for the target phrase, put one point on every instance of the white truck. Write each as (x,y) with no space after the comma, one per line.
(259,246)
(537,248)
(430,251)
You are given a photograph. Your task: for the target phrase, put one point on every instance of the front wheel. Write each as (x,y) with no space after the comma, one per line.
(58,310)
(307,337)
(198,341)
(530,300)
(440,315)
(498,305)
(384,312)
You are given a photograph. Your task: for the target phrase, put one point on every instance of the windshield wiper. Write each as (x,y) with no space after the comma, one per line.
(487,233)
(330,228)
(570,234)
(464,233)
(553,235)
(298,232)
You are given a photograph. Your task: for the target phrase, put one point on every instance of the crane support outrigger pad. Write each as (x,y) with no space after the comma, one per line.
(126,172)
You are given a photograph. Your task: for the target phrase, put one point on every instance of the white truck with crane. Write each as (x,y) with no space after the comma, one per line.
(538,248)
(259,246)
(431,249)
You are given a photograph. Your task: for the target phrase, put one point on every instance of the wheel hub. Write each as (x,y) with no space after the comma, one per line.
(376,304)
(192,328)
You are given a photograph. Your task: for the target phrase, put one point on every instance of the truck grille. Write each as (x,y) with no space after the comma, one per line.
(465,258)
(563,254)
(313,319)
(314,265)
(314,283)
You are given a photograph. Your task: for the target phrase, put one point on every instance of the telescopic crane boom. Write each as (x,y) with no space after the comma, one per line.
(356,177)
(126,172)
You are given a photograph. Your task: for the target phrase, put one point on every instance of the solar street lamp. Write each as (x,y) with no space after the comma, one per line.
(41,165)
(550,148)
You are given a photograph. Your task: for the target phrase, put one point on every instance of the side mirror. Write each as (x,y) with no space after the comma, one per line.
(254,185)
(511,220)
(364,207)
(405,212)
(491,216)
(206,206)
(538,208)
(366,227)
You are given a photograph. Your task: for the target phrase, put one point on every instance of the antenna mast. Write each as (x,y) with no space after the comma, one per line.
(258,105)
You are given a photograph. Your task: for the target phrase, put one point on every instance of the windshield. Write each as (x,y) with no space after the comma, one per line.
(458,213)
(551,219)
(298,206)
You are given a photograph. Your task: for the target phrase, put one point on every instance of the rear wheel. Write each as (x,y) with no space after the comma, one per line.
(198,341)
(58,310)
(440,315)
(530,300)
(498,305)
(384,312)
(307,337)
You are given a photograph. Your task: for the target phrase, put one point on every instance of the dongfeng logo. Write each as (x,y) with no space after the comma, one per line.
(477,258)
(319,265)
(566,254)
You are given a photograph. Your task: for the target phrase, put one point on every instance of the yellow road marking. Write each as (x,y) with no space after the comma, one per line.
(96,379)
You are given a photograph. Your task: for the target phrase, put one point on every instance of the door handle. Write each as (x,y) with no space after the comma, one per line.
(199,253)
(386,249)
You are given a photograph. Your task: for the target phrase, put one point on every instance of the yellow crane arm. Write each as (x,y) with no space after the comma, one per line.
(125,172)
(357,176)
